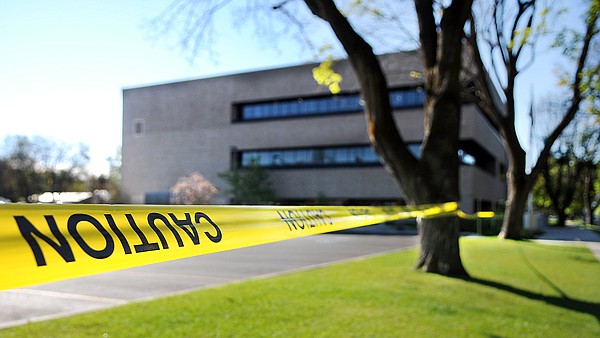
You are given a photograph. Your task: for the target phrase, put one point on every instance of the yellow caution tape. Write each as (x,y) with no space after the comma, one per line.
(485,214)
(479,214)
(44,243)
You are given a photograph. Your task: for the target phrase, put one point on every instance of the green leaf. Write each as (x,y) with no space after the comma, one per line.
(326,76)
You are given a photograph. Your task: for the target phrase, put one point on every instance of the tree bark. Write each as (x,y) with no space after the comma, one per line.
(440,251)
(589,193)
(438,181)
(434,177)
(438,174)
(562,219)
(516,200)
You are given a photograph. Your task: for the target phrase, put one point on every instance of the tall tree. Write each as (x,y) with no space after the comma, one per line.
(37,164)
(507,36)
(588,155)
(569,182)
(21,177)
(433,176)
(560,181)
(591,190)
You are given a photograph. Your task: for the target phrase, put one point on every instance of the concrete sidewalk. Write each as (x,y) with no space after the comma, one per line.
(65,298)
(572,235)
(60,299)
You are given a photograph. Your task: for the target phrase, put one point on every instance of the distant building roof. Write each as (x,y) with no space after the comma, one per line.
(60,197)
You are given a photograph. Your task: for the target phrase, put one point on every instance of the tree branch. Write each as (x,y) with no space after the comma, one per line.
(498,29)
(383,133)
(576,98)
(301,29)
(485,99)
(523,7)
(427,31)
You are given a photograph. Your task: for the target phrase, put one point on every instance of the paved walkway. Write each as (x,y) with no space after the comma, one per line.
(573,235)
(59,299)
(65,298)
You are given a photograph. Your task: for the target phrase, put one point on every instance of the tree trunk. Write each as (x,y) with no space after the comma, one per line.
(438,182)
(503,114)
(438,177)
(588,193)
(589,217)
(562,218)
(587,203)
(434,177)
(516,201)
(439,247)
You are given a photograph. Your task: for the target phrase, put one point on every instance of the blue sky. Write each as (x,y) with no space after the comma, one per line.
(64,64)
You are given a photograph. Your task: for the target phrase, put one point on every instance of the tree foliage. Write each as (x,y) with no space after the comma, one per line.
(590,174)
(569,182)
(508,38)
(249,185)
(112,182)
(568,40)
(591,190)
(561,174)
(326,76)
(34,165)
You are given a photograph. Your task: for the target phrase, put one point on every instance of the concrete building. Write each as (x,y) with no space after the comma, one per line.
(312,143)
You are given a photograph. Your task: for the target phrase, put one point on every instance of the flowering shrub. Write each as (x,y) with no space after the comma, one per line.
(192,189)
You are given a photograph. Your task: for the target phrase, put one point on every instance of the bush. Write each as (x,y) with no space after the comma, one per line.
(482,226)
(192,189)
(249,185)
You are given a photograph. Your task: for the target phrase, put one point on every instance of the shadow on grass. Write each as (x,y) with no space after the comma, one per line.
(540,275)
(562,301)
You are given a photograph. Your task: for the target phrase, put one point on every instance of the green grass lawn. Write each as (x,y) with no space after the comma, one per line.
(518,289)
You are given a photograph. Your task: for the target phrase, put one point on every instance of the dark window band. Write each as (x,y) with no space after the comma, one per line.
(339,156)
(339,104)
(343,156)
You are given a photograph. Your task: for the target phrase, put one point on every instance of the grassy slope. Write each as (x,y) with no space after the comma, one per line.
(518,289)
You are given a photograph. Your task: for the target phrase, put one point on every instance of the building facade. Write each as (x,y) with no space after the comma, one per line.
(313,144)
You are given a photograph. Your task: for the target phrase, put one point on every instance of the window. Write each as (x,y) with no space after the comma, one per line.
(157,197)
(471,153)
(347,156)
(138,127)
(338,156)
(466,158)
(339,104)
(407,98)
